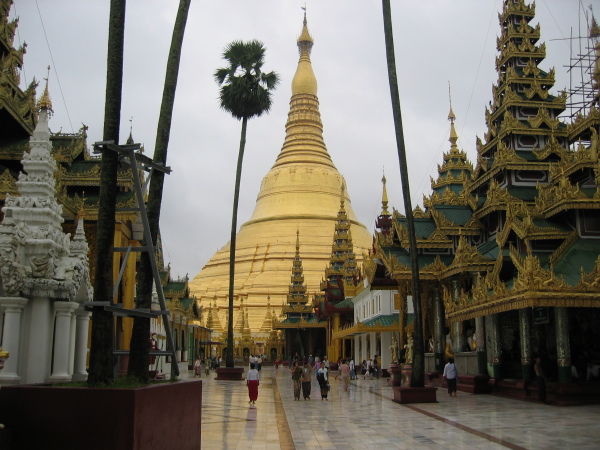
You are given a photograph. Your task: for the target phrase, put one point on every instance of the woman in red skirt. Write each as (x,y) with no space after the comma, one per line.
(252,380)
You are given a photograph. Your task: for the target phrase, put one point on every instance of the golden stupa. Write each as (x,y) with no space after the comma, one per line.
(301,192)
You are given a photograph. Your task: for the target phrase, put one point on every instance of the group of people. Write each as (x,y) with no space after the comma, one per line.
(370,368)
(257,360)
(205,365)
(302,379)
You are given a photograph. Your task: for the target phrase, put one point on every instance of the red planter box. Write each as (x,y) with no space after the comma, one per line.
(159,416)
(415,395)
(230,373)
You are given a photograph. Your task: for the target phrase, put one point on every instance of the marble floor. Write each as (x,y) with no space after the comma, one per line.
(365,417)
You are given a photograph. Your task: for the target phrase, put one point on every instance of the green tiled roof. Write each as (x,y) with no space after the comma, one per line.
(459,215)
(543,223)
(581,255)
(404,258)
(423,227)
(186,302)
(489,249)
(175,286)
(527,194)
(385,320)
(345,304)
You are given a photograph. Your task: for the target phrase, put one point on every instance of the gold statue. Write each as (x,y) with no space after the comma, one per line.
(409,348)
(394,349)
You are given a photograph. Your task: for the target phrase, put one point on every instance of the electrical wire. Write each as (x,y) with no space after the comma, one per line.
(54,66)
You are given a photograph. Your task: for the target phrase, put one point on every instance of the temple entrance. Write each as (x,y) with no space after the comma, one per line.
(273,354)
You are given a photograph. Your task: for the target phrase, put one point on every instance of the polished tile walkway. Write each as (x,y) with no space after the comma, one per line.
(365,417)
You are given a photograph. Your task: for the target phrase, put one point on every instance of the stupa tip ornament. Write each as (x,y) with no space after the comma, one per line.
(45,103)
(304,81)
(305,41)
(384,198)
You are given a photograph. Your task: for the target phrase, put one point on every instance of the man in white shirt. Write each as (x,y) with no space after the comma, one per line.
(352,371)
(451,376)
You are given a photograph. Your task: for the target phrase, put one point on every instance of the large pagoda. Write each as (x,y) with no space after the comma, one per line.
(300,192)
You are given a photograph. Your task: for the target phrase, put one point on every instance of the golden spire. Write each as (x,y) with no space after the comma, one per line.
(304,81)
(304,142)
(384,199)
(45,102)
(452,118)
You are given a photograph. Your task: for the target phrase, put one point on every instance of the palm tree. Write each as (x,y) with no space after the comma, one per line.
(418,368)
(101,356)
(245,93)
(139,347)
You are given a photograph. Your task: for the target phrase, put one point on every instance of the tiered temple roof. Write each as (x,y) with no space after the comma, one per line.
(522,228)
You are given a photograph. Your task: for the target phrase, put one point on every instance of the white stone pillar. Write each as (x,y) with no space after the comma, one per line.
(13,307)
(82,323)
(386,352)
(356,354)
(62,340)
(71,345)
(363,348)
(39,345)
(372,345)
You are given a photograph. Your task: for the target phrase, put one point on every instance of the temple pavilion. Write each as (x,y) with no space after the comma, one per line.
(509,249)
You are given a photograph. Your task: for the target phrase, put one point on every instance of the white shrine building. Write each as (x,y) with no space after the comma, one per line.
(44,275)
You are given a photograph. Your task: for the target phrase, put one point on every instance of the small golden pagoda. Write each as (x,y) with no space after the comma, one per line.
(304,332)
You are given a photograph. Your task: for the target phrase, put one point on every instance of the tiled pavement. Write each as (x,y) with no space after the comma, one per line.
(365,417)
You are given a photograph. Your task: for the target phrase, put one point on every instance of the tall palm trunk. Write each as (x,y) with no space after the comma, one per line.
(229,361)
(101,357)
(139,359)
(418,368)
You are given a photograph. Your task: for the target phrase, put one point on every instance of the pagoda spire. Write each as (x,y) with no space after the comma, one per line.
(267,325)
(384,199)
(45,103)
(297,291)
(384,221)
(304,129)
(453,174)
(451,117)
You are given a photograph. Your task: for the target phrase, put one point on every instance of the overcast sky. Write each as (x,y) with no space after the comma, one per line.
(436,41)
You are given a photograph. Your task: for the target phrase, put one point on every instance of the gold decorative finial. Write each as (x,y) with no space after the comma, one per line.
(130,138)
(342,195)
(384,198)
(305,41)
(45,102)
(451,117)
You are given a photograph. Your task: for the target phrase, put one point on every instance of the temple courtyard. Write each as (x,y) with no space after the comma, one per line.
(365,417)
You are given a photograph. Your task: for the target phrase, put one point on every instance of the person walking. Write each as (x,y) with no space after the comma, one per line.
(540,379)
(450,376)
(352,369)
(297,377)
(259,362)
(344,372)
(375,367)
(306,380)
(323,379)
(368,371)
(252,381)
(197,370)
